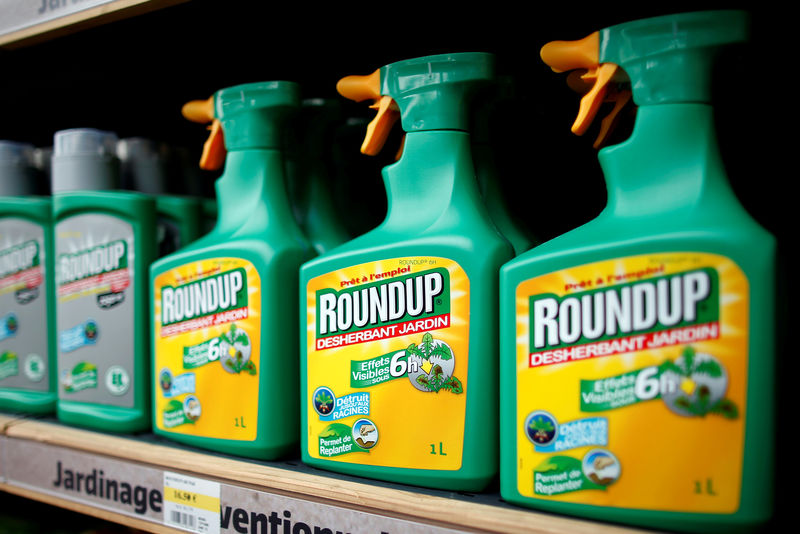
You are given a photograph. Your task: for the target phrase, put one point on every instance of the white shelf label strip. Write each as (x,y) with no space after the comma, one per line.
(181,501)
(122,487)
(19,14)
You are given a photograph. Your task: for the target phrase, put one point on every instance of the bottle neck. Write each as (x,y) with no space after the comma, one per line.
(670,163)
(252,187)
(435,173)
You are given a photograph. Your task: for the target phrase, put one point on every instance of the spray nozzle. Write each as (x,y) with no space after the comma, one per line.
(251,116)
(599,82)
(426,93)
(361,88)
(657,60)
(202,111)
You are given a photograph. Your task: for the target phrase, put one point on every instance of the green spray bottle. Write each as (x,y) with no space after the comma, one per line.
(27,309)
(637,351)
(144,169)
(224,307)
(399,325)
(104,244)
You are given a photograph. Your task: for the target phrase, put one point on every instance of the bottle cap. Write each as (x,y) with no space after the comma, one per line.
(84,159)
(142,165)
(17,174)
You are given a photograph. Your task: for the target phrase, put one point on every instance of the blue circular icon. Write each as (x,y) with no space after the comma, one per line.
(324,400)
(541,428)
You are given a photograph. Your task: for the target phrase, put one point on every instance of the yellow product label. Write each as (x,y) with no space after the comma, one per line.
(207,348)
(631,383)
(387,363)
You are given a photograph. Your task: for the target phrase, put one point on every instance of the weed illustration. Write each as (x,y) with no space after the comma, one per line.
(439,357)
(706,378)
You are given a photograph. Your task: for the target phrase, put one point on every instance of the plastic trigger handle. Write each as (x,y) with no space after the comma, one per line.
(361,88)
(563,56)
(608,124)
(214,152)
(591,101)
(202,111)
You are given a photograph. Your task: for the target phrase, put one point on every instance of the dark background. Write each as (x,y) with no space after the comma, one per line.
(132,77)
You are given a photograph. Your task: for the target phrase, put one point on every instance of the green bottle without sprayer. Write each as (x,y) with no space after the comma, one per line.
(399,325)
(310,174)
(637,351)
(357,183)
(144,169)
(27,308)
(210,212)
(491,175)
(104,244)
(225,334)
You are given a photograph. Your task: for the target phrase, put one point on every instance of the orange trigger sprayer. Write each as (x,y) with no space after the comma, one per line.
(598,81)
(202,111)
(361,88)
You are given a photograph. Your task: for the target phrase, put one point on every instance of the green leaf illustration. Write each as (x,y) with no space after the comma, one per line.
(545,466)
(540,423)
(670,366)
(688,360)
(323,399)
(422,380)
(174,405)
(454,385)
(427,343)
(443,352)
(334,430)
(413,349)
(725,408)
(709,367)
(83,367)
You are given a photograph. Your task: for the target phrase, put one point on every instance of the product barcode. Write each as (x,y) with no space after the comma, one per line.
(183,519)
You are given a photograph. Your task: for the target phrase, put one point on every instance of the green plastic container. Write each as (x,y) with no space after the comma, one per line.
(210,211)
(310,174)
(638,351)
(493,180)
(225,335)
(104,244)
(27,309)
(145,169)
(399,325)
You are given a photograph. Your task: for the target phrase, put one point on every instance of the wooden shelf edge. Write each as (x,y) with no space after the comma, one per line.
(397,503)
(102,14)
(8,420)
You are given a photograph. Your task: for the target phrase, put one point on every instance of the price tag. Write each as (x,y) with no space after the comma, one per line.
(191,503)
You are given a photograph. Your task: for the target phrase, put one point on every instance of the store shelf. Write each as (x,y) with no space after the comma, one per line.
(31,452)
(26,22)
